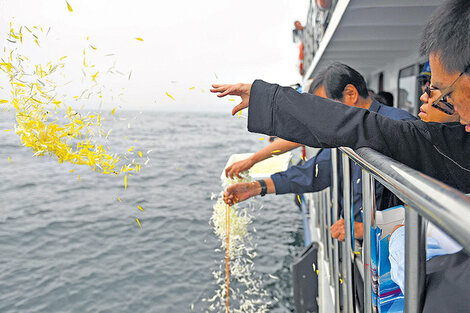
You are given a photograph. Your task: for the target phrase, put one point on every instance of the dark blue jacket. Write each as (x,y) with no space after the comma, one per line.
(316,174)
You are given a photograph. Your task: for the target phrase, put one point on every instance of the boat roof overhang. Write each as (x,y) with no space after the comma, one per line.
(369,34)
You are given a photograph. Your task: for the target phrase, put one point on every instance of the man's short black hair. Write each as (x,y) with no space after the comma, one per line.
(335,77)
(387,96)
(447,33)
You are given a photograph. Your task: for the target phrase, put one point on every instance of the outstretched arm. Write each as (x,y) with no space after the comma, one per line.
(323,123)
(279,146)
(243,191)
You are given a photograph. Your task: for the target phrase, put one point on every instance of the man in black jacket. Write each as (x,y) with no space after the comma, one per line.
(441,151)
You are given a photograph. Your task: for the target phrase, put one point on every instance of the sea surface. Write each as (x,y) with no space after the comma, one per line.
(69,245)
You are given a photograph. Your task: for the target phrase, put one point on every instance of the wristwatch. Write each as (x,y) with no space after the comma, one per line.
(264,187)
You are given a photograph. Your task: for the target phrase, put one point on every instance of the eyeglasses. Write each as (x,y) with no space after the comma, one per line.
(441,102)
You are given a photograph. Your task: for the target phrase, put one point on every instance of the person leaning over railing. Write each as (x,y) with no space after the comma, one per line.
(441,151)
(438,243)
(338,82)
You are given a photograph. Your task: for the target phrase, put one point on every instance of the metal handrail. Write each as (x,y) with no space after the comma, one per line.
(444,206)
(425,198)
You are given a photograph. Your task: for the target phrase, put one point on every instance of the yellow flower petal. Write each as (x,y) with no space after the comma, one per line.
(140,208)
(170,96)
(69,7)
(138,222)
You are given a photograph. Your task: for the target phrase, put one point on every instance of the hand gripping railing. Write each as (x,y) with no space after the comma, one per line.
(425,197)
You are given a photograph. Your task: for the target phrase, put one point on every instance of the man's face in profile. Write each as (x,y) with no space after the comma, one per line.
(459,95)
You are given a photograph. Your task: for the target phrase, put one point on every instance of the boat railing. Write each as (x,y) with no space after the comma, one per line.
(315,27)
(425,198)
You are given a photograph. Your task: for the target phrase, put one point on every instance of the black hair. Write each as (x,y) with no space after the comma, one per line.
(447,33)
(335,77)
(387,96)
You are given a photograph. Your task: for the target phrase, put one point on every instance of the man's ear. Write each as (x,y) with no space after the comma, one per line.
(350,95)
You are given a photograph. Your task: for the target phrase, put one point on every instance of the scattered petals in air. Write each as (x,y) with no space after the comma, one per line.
(40,121)
(138,222)
(94,48)
(112,112)
(298,198)
(10,160)
(140,154)
(125,182)
(69,7)
(169,96)
(3,101)
(139,39)
(140,208)
(275,151)
(179,169)
(79,178)
(119,199)
(192,88)
(232,100)
(261,139)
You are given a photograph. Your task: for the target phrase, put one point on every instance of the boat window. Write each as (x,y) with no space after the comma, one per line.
(407,89)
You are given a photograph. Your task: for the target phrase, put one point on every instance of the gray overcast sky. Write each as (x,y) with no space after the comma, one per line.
(185,43)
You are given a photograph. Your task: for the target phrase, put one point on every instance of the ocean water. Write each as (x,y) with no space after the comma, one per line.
(70,246)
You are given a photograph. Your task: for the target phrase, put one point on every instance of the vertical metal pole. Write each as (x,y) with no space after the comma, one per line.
(415,261)
(317,219)
(366,245)
(328,234)
(373,226)
(320,218)
(334,218)
(325,226)
(347,209)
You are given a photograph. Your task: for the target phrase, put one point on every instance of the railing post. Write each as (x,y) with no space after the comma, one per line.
(415,261)
(320,219)
(374,226)
(366,245)
(334,218)
(328,233)
(347,208)
(325,226)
